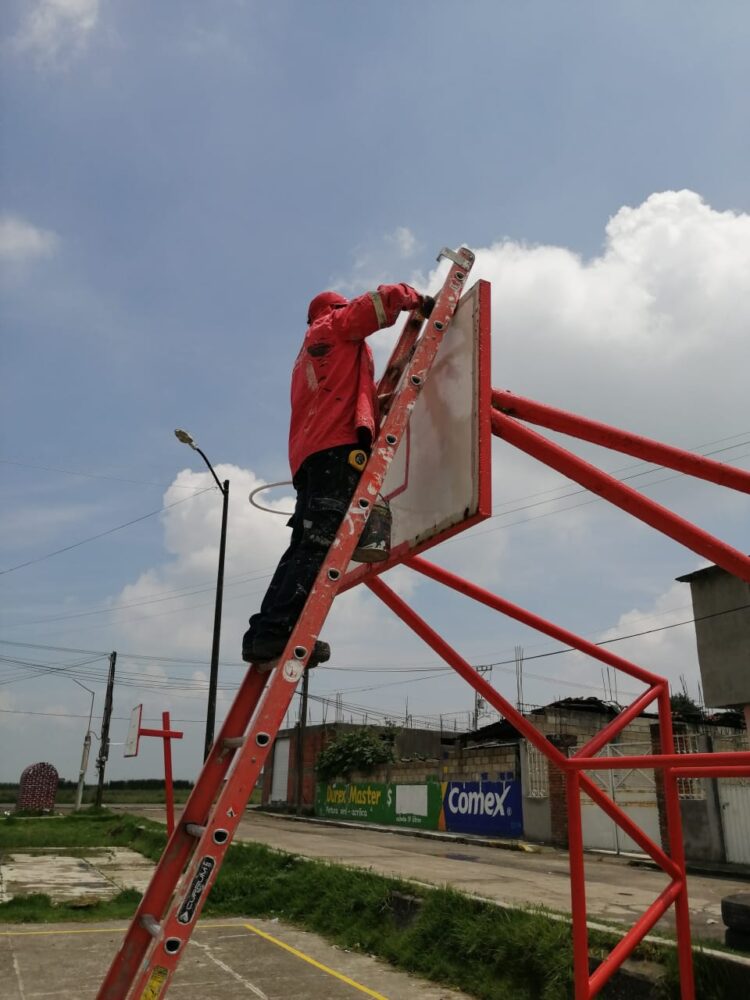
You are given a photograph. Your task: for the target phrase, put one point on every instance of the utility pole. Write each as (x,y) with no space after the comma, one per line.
(101,760)
(479,702)
(301,727)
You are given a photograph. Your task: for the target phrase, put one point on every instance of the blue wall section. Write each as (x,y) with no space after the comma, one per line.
(489,807)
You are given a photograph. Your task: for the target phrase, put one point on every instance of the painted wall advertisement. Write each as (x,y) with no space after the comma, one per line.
(492,808)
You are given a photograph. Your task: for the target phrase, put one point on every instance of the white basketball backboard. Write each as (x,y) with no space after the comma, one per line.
(439,482)
(134,732)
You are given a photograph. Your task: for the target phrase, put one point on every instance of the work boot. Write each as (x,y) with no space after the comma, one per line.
(266,648)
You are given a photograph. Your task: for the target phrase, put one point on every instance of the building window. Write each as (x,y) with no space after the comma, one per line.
(537,784)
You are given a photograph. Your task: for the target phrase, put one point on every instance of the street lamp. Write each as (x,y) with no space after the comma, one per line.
(86,749)
(185,438)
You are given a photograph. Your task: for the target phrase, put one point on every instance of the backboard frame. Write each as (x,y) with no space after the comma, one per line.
(133,739)
(480,506)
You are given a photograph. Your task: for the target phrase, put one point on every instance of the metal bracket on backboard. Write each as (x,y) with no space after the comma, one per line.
(456,256)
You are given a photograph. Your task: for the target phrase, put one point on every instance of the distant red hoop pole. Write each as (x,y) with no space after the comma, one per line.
(167,735)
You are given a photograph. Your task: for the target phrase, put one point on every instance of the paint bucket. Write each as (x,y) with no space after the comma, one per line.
(375,543)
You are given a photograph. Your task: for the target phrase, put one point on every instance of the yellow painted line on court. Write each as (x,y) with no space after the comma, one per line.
(318,965)
(103,930)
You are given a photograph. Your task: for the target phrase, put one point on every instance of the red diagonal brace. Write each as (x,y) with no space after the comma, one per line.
(620,440)
(630,500)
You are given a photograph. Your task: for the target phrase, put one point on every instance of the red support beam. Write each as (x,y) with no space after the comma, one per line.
(577,887)
(742,771)
(626,824)
(628,499)
(620,440)
(676,852)
(617,724)
(529,618)
(705,762)
(634,936)
(469,674)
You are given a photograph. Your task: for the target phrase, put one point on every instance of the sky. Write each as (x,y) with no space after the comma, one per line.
(180,179)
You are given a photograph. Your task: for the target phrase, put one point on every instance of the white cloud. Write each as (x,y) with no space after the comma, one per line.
(405,241)
(21,242)
(53,30)
(373,263)
(650,335)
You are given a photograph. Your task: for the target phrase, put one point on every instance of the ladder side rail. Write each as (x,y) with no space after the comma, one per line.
(404,349)
(620,440)
(621,495)
(172,932)
(181,844)
(399,359)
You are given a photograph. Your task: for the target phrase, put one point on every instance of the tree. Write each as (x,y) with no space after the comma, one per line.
(683,706)
(355,750)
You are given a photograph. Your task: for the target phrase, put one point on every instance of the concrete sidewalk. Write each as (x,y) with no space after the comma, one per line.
(617,890)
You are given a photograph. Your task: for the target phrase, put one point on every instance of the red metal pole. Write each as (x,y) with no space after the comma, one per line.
(577,887)
(625,823)
(707,762)
(711,772)
(621,720)
(469,674)
(168,789)
(634,936)
(628,499)
(677,852)
(528,618)
(620,440)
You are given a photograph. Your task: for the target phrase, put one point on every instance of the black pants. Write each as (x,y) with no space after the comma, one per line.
(324,483)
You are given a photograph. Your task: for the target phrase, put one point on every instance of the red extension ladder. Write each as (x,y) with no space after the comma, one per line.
(168,912)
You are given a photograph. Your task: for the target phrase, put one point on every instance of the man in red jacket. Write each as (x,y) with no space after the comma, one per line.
(334,411)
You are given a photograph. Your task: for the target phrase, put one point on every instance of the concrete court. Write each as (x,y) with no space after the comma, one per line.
(226,960)
(616,889)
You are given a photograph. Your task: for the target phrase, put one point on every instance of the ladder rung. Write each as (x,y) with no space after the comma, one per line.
(151,924)
(233,742)
(195,829)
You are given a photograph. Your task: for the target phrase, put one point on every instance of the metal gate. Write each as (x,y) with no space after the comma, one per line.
(634,791)
(734,799)
(280,776)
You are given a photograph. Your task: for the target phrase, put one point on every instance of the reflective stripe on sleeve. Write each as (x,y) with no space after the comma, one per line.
(379,309)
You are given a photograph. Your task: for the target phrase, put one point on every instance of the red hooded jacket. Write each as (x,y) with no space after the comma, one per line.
(333,381)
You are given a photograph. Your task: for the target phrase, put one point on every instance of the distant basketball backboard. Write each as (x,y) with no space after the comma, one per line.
(440,480)
(134,732)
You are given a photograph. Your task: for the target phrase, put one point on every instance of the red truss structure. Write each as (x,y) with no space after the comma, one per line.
(155,941)
(508,410)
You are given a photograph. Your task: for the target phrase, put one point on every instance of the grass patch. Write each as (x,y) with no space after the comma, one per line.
(95,828)
(488,952)
(38,908)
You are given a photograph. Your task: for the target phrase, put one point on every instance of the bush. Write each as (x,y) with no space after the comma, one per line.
(355,750)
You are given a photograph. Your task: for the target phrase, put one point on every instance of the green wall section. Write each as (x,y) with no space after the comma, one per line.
(373,802)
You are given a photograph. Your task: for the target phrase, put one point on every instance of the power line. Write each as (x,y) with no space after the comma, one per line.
(101,534)
(261,574)
(189,662)
(95,475)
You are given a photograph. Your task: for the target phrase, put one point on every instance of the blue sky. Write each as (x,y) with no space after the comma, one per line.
(179,179)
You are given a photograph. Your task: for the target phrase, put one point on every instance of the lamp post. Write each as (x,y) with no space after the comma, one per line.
(185,438)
